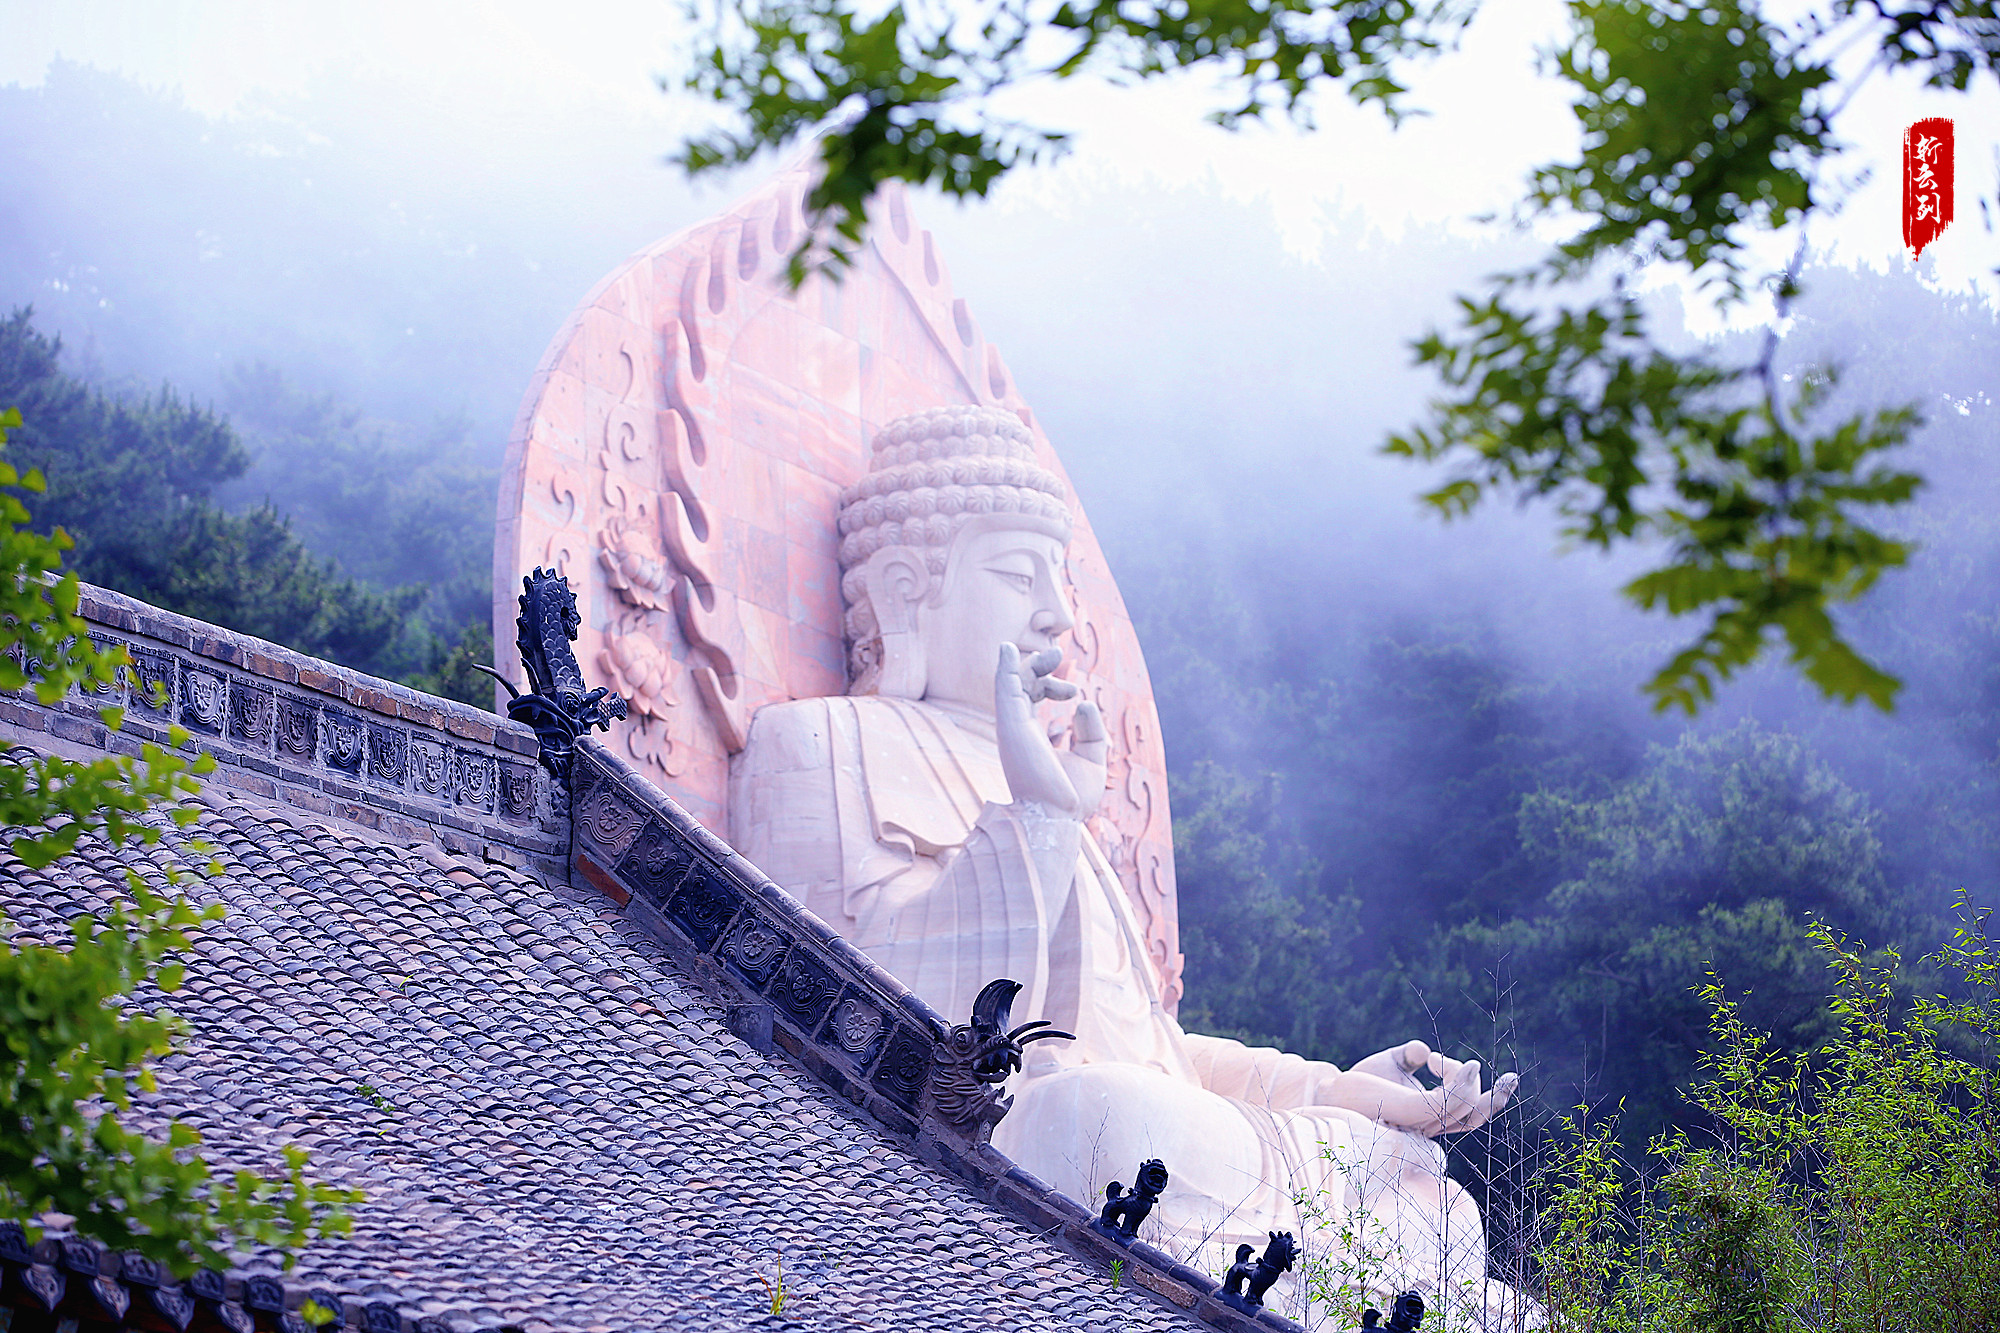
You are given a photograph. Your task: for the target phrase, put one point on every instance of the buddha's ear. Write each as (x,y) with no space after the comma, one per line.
(898,580)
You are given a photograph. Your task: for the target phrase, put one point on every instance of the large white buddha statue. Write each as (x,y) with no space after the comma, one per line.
(930,818)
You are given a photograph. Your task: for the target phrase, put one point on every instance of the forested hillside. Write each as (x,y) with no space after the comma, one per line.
(365,554)
(1453,817)
(1416,790)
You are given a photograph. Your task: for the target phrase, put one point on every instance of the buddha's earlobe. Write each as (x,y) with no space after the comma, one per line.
(898,580)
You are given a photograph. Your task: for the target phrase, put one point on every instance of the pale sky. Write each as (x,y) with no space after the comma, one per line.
(1492,117)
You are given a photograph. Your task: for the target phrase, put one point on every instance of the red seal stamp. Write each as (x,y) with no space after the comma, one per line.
(1927,182)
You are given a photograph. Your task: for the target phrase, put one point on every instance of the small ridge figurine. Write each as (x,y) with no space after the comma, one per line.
(1243,1289)
(1371,1318)
(975,1058)
(1122,1212)
(1240,1274)
(1406,1313)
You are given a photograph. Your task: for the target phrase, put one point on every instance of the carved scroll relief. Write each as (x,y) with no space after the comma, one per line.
(635,654)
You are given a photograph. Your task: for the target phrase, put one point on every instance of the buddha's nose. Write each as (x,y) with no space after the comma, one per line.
(1054,618)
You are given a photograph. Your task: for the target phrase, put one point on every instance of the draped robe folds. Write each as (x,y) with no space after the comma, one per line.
(892,821)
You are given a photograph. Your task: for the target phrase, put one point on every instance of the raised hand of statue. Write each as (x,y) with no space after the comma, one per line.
(1385,1087)
(1068,782)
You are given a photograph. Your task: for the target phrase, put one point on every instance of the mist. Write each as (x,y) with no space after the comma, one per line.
(1393,740)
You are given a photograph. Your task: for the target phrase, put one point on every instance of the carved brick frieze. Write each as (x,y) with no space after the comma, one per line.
(105,691)
(472,779)
(430,770)
(346,741)
(250,716)
(855,1028)
(905,1067)
(297,729)
(702,907)
(517,792)
(656,864)
(754,948)
(154,680)
(609,821)
(552,804)
(203,697)
(388,754)
(803,988)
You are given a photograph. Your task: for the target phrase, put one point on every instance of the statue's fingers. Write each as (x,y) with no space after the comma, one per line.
(1463,1113)
(1440,1064)
(1462,1084)
(1087,736)
(1009,685)
(1483,1108)
(1469,1113)
(1053,687)
(1045,661)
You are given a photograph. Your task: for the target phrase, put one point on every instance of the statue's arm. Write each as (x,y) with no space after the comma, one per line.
(1383,1088)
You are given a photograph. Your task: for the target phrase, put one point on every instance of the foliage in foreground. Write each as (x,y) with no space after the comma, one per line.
(1853,1188)
(1705,126)
(71,1052)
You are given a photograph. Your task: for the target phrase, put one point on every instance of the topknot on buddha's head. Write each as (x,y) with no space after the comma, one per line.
(952,432)
(932,473)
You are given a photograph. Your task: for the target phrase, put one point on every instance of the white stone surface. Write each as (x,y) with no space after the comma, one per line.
(938,822)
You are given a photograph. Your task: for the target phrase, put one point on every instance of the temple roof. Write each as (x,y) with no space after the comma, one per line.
(554,1129)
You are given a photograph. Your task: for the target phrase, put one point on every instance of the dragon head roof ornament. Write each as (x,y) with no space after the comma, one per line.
(559,707)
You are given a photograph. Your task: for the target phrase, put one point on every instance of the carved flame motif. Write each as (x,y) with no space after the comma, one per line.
(629,550)
(706,611)
(649,743)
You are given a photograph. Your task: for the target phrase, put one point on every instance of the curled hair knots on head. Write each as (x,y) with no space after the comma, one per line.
(930,474)
(943,431)
(964,470)
(856,547)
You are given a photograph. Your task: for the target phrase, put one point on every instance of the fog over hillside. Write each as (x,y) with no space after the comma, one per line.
(1407,755)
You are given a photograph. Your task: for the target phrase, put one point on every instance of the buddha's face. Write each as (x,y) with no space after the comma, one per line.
(1001,585)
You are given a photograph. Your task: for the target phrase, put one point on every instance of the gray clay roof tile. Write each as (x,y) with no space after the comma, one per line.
(554,1131)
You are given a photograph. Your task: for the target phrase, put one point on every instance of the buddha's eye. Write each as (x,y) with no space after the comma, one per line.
(1020,582)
